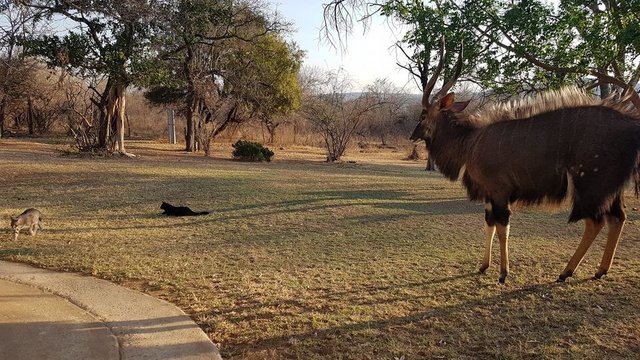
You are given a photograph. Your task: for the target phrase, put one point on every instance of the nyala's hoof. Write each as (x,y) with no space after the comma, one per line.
(599,274)
(483,268)
(564,276)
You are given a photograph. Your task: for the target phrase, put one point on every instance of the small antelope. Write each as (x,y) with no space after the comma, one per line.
(531,152)
(30,218)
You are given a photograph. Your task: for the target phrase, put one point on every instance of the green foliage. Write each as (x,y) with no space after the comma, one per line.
(165,95)
(71,51)
(277,64)
(523,45)
(251,151)
(112,39)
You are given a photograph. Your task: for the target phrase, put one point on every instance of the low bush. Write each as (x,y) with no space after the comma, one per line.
(251,151)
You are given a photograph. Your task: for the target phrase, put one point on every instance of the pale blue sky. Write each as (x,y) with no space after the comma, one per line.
(367,56)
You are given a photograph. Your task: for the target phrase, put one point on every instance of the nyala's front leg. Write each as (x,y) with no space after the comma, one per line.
(490,230)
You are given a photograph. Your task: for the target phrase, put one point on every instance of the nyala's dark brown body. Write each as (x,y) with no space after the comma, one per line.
(535,152)
(533,160)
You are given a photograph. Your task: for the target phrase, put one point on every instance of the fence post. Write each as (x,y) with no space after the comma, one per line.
(171,127)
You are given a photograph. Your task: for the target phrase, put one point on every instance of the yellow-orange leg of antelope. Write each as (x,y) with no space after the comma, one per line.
(503,236)
(490,232)
(613,237)
(591,230)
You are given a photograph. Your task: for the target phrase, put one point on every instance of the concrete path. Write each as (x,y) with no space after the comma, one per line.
(70,316)
(28,315)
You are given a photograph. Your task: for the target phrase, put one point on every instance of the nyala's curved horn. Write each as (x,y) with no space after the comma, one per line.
(432,81)
(454,78)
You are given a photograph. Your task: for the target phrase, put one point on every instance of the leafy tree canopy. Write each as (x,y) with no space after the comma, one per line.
(106,38)
(515,46)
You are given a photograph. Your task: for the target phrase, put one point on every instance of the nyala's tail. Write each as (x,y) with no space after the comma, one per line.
(202,213)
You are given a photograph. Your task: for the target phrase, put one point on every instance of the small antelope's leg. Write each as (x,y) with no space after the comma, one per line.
(615,219)
(33,229)
(591,229)
(490,230)
(501,215)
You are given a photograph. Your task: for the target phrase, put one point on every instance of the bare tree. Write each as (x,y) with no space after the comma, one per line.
(335,112)
(16,23)
(388,120)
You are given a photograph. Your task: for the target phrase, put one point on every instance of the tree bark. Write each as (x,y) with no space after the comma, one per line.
(30,116)
(121,104)
(192,102)
(115,112)
(190,133)
(109,116)
(2,107)
(271,129)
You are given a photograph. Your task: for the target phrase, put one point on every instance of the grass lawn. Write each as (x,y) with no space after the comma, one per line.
(306,260)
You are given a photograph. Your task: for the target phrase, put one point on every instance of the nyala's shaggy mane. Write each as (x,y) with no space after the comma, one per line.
(526,107)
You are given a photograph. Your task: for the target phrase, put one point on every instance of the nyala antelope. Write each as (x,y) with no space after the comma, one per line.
(534,151)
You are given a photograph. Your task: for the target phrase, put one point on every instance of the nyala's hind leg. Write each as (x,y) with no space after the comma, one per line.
(615,219)
(490,230)
(501,214)
(591,229)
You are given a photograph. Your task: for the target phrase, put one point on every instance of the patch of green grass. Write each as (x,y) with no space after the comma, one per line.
(310,260)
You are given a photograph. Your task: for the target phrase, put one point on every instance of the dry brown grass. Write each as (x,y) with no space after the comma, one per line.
(307,260)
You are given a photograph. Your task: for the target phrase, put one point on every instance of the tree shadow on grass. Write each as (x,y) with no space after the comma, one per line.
(378,198)
(10,251)
(466,312)
(255,308)
(359,194)
(176,224)
(444,207)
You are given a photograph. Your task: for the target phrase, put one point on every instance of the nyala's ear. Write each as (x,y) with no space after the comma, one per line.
(447,102)
(13,219)
(459,106)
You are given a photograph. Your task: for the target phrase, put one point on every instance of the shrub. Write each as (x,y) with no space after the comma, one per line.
(251,151)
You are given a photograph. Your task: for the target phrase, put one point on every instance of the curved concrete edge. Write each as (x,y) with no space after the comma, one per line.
(146,327)
(35,324)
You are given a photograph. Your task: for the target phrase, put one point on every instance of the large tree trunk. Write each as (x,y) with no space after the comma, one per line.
(192,102)
(190,134)
(104,126)
(121,102)
(109,117)
(104,129)
(115,111)
(2,107)
(30,116)
(271,129)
